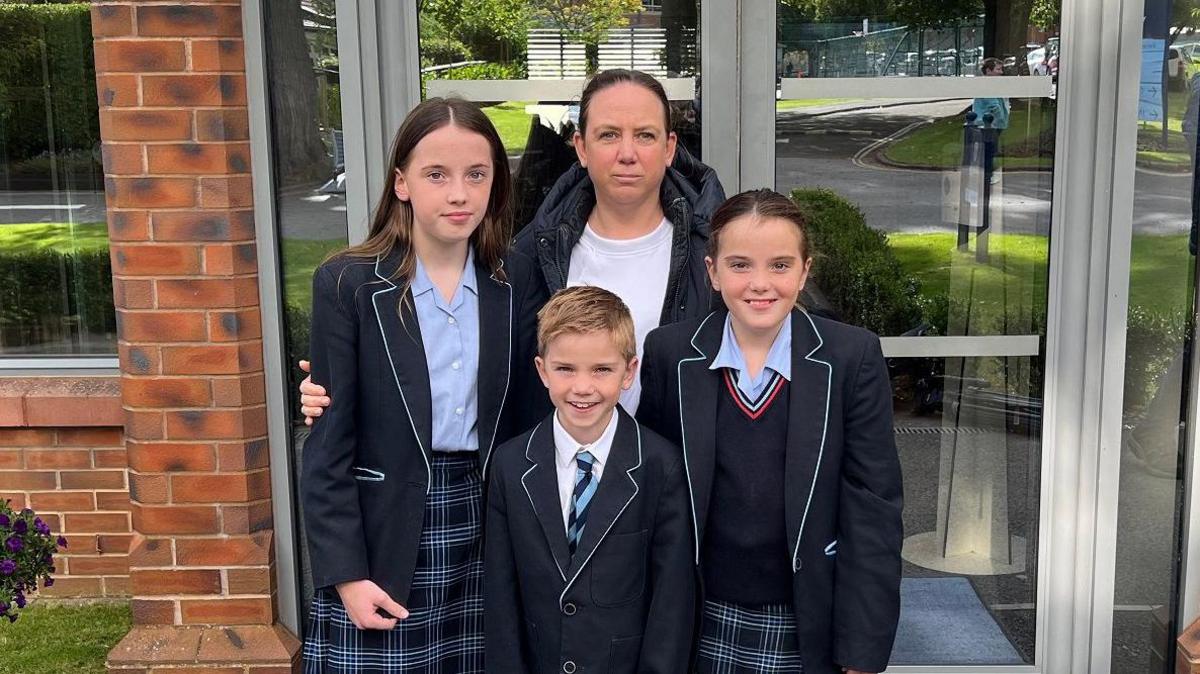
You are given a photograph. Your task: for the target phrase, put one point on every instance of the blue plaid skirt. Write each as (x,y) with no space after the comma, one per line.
(443,633)
(738,639)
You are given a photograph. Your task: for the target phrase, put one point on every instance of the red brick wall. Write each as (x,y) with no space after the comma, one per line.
(62,453)
(172,89)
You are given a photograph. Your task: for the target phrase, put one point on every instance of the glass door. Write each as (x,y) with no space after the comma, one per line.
(922,140)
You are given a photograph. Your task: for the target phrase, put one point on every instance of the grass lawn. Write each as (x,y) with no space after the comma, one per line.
(940,144)
(1158,269)
(57,639)
(512,122)
(30,237)
(780,106)
(300,258)
(1150,140)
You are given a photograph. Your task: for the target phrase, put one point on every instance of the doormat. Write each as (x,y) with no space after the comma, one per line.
(942,622)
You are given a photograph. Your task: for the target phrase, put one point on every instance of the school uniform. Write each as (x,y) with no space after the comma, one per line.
(797,477)
(617,595)
(393,473)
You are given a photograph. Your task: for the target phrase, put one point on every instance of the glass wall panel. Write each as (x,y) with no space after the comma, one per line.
(310,194)
(930,190)
(56,298)
(473,41)
(1158,350)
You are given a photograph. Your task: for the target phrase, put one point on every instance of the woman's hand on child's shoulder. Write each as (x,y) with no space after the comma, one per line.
(313,400)
(361,598)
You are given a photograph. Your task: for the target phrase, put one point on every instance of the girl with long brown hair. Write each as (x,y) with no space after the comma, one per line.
(413,331)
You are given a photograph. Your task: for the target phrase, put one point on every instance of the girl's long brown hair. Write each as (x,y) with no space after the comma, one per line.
(392,222)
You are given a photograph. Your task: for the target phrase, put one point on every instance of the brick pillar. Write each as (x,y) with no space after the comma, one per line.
(172,89)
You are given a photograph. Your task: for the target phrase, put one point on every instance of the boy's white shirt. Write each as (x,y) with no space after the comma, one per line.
(635,270)
(565,449)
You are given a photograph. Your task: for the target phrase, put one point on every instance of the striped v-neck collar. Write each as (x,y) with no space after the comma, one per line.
(753,407)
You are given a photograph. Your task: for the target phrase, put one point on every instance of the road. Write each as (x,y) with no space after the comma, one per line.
(833,150)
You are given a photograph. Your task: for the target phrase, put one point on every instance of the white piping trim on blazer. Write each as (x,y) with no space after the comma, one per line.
(367,475)
(683,433)
(507,374)
(636,489)
(528,446)
(396,377)
(824,432)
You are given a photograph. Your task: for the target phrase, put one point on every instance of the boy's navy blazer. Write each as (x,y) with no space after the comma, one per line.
(844,493)
(625,602)
(367,464)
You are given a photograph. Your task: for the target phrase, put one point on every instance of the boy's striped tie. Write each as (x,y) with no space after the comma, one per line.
(585,487)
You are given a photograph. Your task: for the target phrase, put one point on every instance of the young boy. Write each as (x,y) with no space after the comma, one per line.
(588,561)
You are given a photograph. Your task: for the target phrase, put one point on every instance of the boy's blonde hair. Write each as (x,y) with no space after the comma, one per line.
(583,310)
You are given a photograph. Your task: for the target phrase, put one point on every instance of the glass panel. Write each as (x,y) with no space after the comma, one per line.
(310,198)
(56,298)
(930,217)
(497,40)
(969,435)
(1158,353)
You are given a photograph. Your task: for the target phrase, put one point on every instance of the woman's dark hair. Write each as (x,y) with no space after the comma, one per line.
(392,222)
(607,78)
(762,204)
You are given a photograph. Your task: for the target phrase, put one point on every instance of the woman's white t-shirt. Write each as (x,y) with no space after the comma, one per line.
(636,270)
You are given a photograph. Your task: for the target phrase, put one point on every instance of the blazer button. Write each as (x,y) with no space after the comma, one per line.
(569,609)
(569,667)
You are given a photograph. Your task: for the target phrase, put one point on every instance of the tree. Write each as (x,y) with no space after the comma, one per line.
(586,21)
(300,153)
(492,30)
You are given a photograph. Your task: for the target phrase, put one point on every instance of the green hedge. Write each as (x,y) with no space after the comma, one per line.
(50,296)
(46,45)
(854,267)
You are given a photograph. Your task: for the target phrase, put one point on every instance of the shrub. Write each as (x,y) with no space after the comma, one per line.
(47,55)
(297,322)
(1152,341)
(854,267)
(48,294)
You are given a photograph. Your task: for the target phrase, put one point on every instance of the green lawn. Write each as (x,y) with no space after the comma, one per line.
(780,106)
(1157,279)
(57,639)
(940,144)
(300,258)
(512,122)
(30,237)
(1150,149)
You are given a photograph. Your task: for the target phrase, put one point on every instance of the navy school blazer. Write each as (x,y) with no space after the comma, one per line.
(625,602)
(366,464)
(844,496)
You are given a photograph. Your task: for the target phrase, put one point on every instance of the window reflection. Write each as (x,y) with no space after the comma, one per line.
(310,198)
(57,295)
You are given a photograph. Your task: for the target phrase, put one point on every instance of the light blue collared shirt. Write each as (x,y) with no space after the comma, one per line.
(779,359)
(450,333)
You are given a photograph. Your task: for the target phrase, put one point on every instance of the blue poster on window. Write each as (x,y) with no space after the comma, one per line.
(1150,97)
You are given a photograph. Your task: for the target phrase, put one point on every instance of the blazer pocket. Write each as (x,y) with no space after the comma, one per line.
(618,569)
(624,654)
(366,474)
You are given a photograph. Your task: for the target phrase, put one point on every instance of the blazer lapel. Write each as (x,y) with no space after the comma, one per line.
(698,391)
(617,489)
(808,418)
(406,354)
(495,356)
(541,486)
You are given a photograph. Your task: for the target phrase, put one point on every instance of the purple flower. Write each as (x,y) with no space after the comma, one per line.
(20,600)
(42,527)
(7,567)
(62,542)
(49,582)
(3,608)
(4,521)
(20,526)
(14,544)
